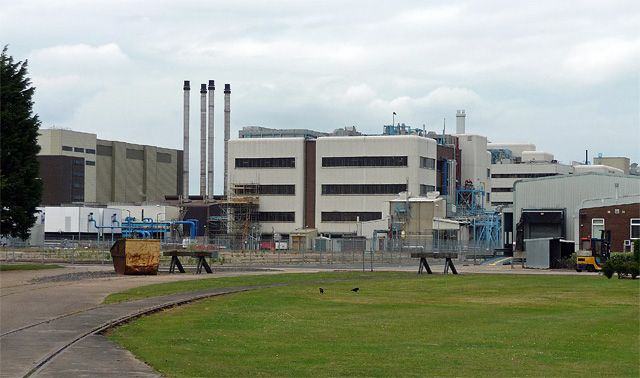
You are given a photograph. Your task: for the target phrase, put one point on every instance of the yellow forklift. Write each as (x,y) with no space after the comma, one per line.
(600,250)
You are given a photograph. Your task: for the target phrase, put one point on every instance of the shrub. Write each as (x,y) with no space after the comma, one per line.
(636,251)
(622,263)
(569,262)
(608,269)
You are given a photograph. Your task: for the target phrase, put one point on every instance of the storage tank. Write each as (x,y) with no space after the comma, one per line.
(536,156)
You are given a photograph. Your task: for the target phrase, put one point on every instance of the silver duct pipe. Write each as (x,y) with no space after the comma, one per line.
(212,88)
(203,139)
(227,133)
(185,142)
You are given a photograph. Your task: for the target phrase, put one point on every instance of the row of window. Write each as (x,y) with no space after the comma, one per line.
(284,162)
(365,161)
(79,149)
(277,216)
(133,154)
(521,175)
(502,190)
(325,216)
(337,189)
(338,161)
(283,190)
(597,225)
(350,216)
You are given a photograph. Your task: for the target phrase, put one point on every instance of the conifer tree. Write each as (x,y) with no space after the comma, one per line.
(20,187)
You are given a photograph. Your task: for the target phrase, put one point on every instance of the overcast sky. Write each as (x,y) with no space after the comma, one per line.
(563,75)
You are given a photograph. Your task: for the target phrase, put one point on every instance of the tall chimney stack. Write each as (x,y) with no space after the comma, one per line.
(227,133)
(212,88)
(203,139)
(460,118)
(185,142)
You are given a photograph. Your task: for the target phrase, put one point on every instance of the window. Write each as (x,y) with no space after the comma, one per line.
(286,162)
(365,161)
(502,190)
(521,175)
(424,189)
(78,161)
(67,148)
(350,216)
(277,216)
(287,190)
(634,231)
(78,149)
(90,151)
(104,150)
(162,157)
(597,225)
(427,163)
(488,173)
(361,189)
(135,154)
(89,162)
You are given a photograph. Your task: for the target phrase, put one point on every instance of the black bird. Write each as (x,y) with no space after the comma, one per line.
(321,291)
(355,289)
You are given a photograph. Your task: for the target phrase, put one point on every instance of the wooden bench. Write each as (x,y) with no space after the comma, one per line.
(424,265)
(200,255)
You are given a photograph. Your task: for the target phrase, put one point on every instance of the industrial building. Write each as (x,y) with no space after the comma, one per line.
(619,215)
(77,167)
(329,183)
(550,206)
(511,162)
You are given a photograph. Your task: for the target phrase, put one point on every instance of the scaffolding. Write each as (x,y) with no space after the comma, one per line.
(237,225)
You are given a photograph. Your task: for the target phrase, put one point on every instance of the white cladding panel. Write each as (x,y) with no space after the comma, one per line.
(476,161)
(272,148)
(597,169)
(411,146)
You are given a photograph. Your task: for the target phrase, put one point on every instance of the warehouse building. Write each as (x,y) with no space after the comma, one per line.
(77,167)
(550,206)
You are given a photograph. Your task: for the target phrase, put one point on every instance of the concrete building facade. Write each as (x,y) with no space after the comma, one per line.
(59,142)
(275,169)
(357,176)
(329,183)
(113,171)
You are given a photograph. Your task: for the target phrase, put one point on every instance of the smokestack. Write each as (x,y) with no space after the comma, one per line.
(227,132)
(586,157)
(203,139)
(185,142)
(212,88)
(460,118)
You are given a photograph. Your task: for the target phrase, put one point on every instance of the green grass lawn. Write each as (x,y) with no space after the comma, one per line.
(8,267)
(401,325)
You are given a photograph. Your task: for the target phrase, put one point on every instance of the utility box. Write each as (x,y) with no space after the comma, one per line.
(547,253)
(136,256)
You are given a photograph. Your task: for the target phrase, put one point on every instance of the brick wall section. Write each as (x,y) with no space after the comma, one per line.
(619,223)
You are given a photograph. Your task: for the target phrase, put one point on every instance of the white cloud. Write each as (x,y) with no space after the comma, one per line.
(603,59)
